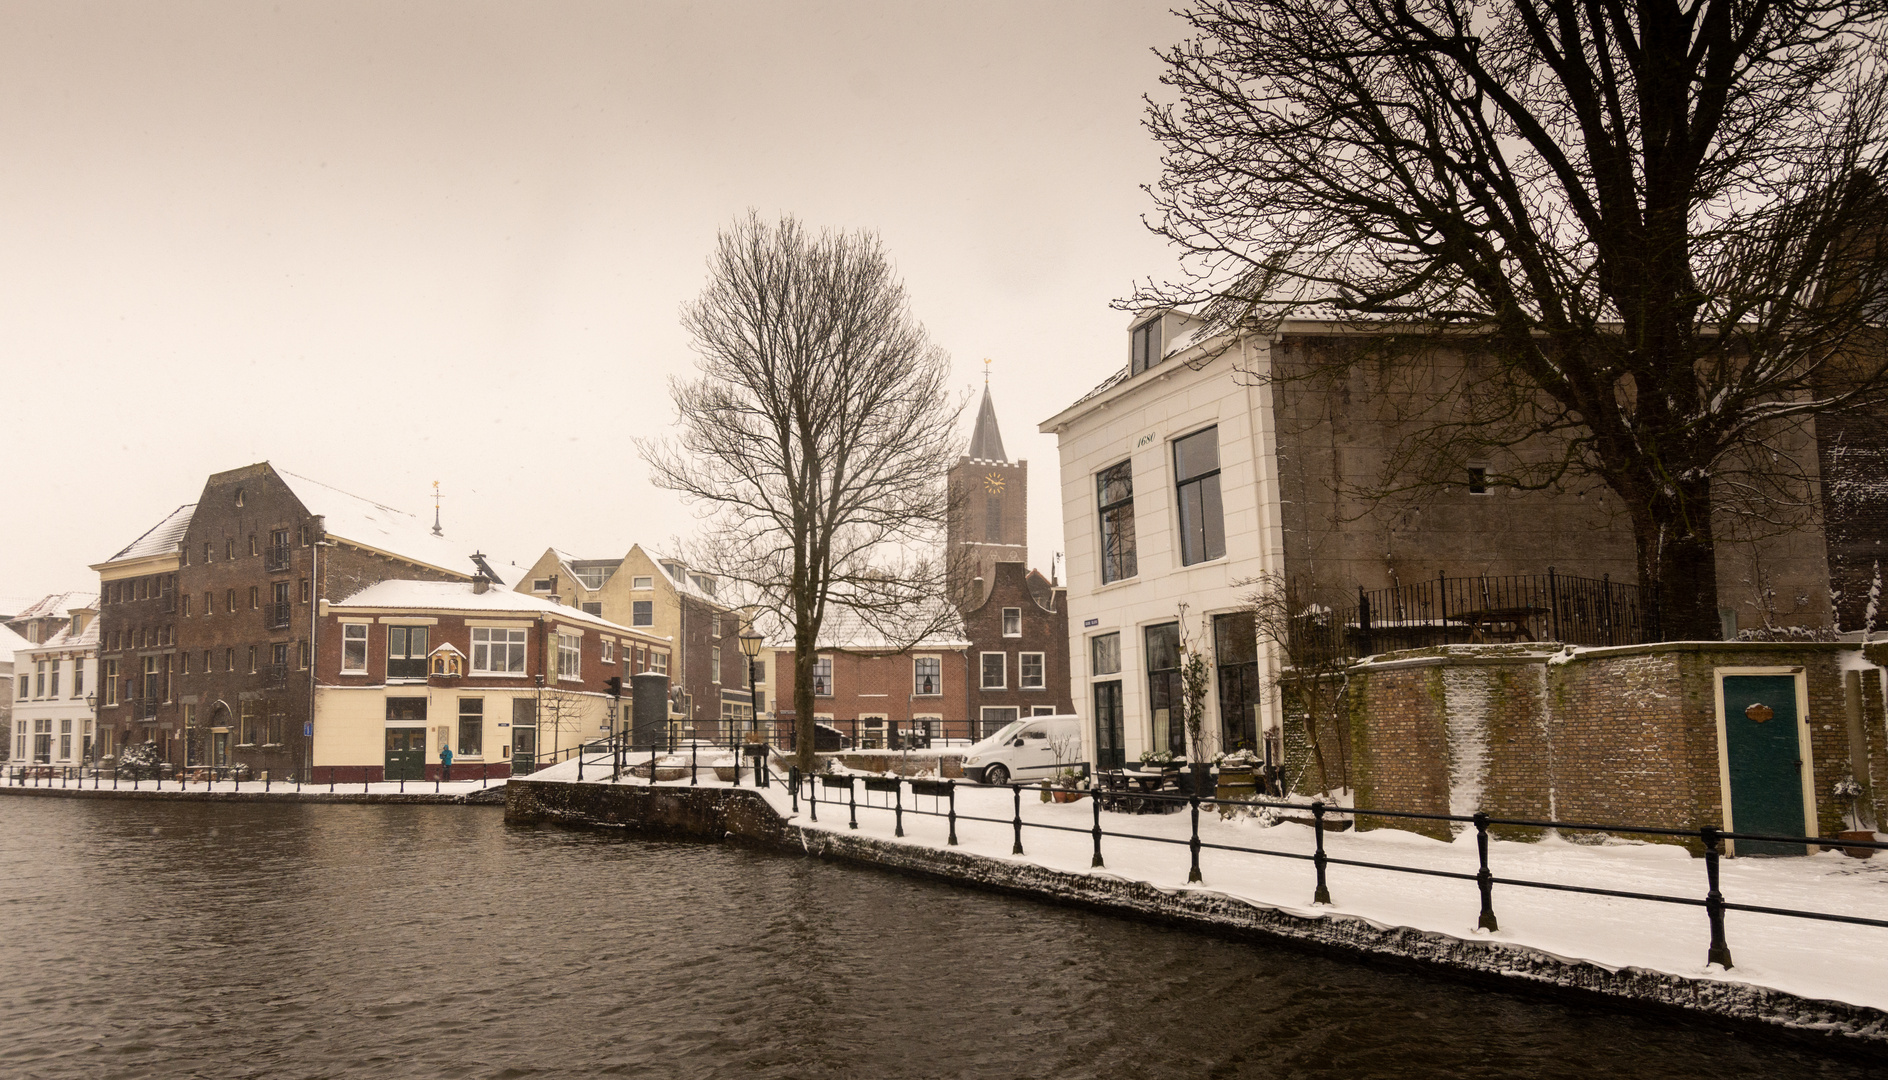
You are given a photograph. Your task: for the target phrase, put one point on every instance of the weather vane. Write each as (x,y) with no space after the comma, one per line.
(437,531)
(986,371)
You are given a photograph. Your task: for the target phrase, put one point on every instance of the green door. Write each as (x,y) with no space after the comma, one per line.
(1766,765)
(406,753)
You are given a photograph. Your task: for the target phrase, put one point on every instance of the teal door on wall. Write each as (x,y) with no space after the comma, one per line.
(1766,764)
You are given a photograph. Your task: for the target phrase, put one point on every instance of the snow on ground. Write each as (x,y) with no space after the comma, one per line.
(1810,958)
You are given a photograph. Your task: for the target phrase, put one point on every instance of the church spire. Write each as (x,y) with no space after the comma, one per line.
(986,443)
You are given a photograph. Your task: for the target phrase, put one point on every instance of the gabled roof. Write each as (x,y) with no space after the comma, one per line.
(375,525)
(56,605)
(161,538)
(847,631)
(64,639)
(986,442)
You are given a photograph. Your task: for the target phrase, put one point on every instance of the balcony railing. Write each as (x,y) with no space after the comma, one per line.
(275,676)
(145,708)
(276,558)
(278,614)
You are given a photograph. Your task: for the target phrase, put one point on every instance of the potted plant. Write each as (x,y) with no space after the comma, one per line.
(1192,708)
(1070,786)
(1157,760)
(1850,793)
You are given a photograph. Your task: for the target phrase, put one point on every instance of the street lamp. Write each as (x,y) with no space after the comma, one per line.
(750,647)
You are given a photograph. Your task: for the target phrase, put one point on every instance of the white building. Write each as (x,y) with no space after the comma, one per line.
(55,684)
(1170,507)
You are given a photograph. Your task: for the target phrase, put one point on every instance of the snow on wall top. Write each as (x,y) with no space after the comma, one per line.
(65,639)
(160,538)
(374,525)
(407,595)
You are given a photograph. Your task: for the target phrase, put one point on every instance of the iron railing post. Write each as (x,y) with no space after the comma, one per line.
(1482,877)
(1720,953)
(898,807)
(812,796)
(1017,791)
(1194,844)
(1553,604)
(694,763)
(1323,893)
(852,803)
(950,790)
(793,782)
(1094,797)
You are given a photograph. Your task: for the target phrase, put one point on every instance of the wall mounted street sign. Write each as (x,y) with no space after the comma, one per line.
(1086,623)
(308,729)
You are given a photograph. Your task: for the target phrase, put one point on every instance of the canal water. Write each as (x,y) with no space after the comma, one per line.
(144,939)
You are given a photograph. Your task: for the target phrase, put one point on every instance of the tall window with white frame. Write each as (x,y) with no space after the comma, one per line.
(823,676)
(1196,475)
(1029,671)
(1104,652)
(995,671)
(1012,622)
(927,676)
(569,656)
(1115,491)
(353,647)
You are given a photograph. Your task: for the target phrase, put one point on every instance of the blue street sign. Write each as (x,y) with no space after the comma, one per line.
(308,729)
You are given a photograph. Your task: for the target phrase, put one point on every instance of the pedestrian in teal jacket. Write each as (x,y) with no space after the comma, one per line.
(445,759)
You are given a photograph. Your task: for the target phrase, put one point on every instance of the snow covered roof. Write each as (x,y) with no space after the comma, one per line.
(55,605)
(687,585)
(407,595)
(64,639)
(11,643)
(374,525)
(160,538)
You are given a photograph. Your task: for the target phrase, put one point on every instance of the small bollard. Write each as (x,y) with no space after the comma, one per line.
(1017,790)
(331,772)
(1720,953)
(1094,799)
(1194,844)
(852,802)
(898,809)
(812,796)
(1323,893)
(1482,877)
(950,789)
(693,759)
(793,783)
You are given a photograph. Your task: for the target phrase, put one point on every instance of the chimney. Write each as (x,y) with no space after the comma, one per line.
(480,583)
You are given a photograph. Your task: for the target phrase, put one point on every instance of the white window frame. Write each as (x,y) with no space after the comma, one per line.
(507,637)
(569,656)
(642,582)
(915,676)
(609,651)
(658,661)
(714,665)
(351,632)
(639,618)
(983,671)
(825,662)
(1022,671)
(1012,616)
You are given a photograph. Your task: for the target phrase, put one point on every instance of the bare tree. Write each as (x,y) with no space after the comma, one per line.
(1313,674)
(816,435)
(1657,225)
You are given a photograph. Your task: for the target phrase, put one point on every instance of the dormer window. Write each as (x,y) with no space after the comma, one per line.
(1144,346)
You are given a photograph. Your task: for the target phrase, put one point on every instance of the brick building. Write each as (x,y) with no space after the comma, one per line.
(1186,487)
(404,667)
(664,596)
(137,642)
(876,694)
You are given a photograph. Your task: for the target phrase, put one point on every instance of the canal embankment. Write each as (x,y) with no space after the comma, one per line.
(490,793)
(1375,920)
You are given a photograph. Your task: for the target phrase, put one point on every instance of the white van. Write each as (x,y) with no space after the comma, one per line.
(1033,748)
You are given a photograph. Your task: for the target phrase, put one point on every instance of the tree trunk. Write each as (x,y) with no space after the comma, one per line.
(1678,572)
(804,656)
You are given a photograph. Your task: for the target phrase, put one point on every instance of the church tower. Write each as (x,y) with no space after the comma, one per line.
(989,500)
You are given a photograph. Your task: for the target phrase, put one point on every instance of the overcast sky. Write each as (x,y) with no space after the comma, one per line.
(388,243)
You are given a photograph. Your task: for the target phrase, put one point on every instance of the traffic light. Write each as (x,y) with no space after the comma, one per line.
(616,686)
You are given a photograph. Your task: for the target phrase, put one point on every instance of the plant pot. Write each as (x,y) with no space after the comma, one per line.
(1857,834)
(1070,796)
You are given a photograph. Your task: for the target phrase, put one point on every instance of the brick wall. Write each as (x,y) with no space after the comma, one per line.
(1623,735)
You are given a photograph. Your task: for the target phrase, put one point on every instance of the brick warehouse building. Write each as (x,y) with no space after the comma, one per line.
(219,627)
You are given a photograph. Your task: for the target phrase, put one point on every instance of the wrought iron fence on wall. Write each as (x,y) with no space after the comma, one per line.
(1483,608)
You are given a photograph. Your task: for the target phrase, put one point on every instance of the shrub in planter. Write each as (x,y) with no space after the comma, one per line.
(139,762)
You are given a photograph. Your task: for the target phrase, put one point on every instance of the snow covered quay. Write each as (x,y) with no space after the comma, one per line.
(1794,973)
(81,785)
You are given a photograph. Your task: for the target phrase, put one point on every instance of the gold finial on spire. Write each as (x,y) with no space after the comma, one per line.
(986,371)
(437,531)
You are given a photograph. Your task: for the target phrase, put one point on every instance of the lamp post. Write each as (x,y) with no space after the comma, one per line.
(750,647)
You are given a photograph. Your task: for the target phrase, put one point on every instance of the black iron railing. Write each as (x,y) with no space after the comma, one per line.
(278,613)
(1470,610)
(1708,838)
